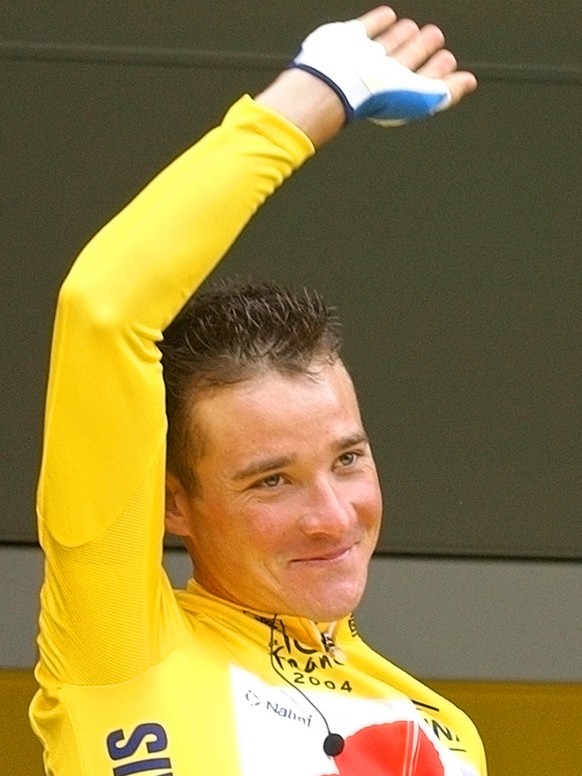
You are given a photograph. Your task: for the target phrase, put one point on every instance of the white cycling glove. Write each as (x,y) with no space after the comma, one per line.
(369,83)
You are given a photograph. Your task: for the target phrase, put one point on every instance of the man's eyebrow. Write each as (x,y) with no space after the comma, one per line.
(351,440)
(262,466)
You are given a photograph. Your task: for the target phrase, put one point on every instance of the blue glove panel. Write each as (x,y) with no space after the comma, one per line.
(400,106)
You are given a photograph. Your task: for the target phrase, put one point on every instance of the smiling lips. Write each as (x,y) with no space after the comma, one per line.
(326,557)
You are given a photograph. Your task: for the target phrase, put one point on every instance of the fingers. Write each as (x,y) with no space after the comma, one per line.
(460,83)
(442,64)
(419,44)
(378,20)
(421,49)
(397,35)
(438,65)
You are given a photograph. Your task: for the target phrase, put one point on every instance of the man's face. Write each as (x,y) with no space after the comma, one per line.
(288,510)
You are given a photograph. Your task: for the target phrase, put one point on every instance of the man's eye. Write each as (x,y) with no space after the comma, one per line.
(272,481)
(348,459)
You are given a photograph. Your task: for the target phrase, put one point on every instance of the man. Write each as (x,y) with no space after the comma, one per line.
(256,668)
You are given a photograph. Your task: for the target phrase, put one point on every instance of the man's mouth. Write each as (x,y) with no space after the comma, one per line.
(335,555)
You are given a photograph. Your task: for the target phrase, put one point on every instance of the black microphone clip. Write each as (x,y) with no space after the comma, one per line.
(333,744)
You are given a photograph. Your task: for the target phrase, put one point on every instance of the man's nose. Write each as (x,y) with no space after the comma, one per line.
(326,509)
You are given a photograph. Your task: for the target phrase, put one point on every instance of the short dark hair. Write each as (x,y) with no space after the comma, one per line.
(229,333)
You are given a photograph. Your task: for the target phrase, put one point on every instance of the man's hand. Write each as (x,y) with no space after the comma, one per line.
(389,71)
(378,67)
(421,49)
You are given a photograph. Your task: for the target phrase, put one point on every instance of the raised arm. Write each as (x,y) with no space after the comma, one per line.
(408,75)
(101,493)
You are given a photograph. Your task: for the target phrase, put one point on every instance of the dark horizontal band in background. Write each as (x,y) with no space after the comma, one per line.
(172,545)
(241,60)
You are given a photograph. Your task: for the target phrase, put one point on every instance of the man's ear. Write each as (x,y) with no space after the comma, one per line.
(178,510)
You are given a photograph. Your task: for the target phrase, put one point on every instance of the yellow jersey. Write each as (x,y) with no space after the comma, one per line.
(134,677)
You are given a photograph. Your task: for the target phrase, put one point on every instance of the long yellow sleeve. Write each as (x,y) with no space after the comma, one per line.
(105,398)
(101,490)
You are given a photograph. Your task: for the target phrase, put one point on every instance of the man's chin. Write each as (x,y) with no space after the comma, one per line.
(331,607)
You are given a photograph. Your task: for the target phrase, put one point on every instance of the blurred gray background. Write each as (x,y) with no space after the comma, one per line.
(451,248)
